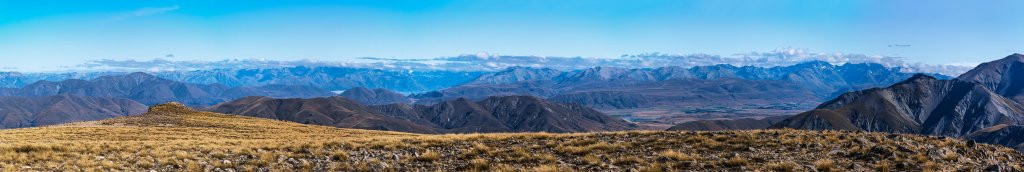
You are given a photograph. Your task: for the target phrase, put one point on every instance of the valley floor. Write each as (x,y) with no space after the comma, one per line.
(664,117)
(171,138)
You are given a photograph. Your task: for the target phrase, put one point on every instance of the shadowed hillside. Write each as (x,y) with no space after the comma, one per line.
(18,112)
(330,111)
(495,114)
(732,124)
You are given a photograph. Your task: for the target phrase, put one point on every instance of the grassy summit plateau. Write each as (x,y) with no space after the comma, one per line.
(171,137)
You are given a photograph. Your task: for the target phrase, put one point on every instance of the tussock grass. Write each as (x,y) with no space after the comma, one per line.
(174,138)
(825,165)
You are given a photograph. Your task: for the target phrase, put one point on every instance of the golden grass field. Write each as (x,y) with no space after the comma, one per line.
(174,138)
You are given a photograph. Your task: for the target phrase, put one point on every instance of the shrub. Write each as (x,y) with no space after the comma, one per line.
(882,166)
(824,165)
(736,161)
(783,166)
(428,156)
(627,160)
(673,155)
(480,163)
(340,155)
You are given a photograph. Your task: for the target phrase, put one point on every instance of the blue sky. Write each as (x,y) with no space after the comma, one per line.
(43,34)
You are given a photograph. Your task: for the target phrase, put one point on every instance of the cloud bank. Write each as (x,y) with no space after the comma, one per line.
(494,62)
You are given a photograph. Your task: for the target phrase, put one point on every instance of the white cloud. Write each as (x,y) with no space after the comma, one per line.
(154,10)
(147,11)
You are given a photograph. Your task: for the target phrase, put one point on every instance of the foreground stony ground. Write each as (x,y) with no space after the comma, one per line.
(174,138)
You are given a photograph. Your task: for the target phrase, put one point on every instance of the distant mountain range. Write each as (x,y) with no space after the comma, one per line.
(495,114)
(514,99)
(18,112)
(149,90)
(374,96)
(982,104)
(809,82)
(338,78)
(17,79)
(493,62)
(329,78)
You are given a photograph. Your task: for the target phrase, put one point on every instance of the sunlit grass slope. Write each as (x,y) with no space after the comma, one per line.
(174,138)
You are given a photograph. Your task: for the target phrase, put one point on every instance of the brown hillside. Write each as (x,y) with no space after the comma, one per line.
(172,137)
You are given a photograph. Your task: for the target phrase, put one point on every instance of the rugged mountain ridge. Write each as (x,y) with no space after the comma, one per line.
(528,113)
(594,86)
(919,105)
(328,78)
(323,77)
(331,111)
(637,94)
(972,106)
(821,75)
(1002,76)
(150,90)
(517,74)
(496,114)
(18,79)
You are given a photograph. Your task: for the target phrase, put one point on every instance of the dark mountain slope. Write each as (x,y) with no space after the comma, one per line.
(513,114)
(817,119)
(1004,76)
(732,124)
(18,112)
(604,99)
(921,105)
(972,106)
(460,116)
(331,111)
(528,113)
(1008,135)
(404,111)
(496,114)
